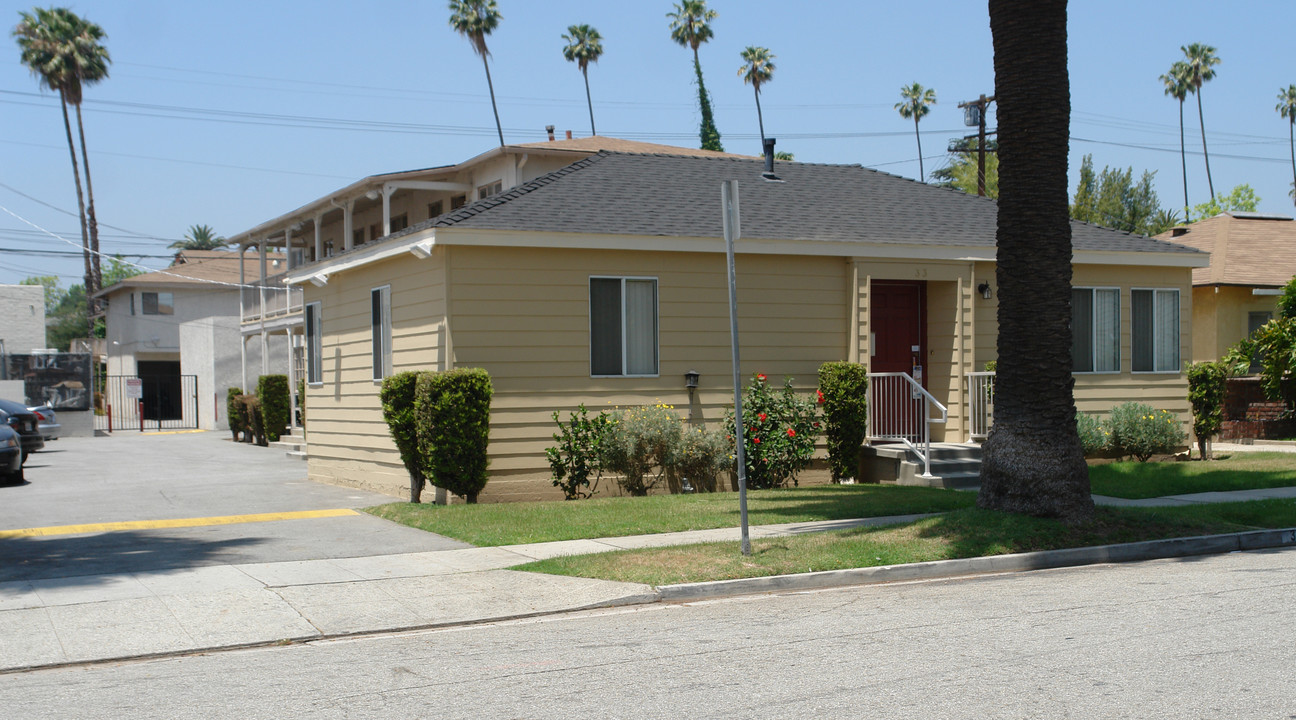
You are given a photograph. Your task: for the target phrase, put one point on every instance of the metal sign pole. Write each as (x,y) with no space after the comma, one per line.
(732,231)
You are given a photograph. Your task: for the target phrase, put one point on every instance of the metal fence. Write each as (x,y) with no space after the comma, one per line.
(151,402)
(980,400)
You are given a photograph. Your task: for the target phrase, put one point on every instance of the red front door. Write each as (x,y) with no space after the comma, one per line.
(896,322)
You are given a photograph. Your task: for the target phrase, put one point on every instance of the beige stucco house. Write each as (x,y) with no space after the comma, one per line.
(603,282)
(1252,256)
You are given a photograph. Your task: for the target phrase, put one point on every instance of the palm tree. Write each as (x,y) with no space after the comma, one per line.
(200,237)
(1201,63)
(65,52)
(584,46)
(915,102)
(475,19)
(757,69)
(1286,107)
(1033,463)
(690,27)
(1178,85)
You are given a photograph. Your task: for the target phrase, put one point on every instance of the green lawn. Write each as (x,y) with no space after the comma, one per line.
(513,523)
(969,532)
(1240,471)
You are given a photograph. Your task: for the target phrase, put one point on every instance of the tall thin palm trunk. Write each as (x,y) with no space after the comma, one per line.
(491,86)
(85,235)
(760,120)
(589,101)
(1201,121)
(922,175)
(1183,160)
(91,224)
(1291,141)
(1033,463)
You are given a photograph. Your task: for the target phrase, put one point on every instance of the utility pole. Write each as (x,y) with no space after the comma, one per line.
(974,113)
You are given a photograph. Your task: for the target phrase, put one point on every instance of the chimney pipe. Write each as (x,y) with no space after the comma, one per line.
(569,134)
(549,129)
(769,162)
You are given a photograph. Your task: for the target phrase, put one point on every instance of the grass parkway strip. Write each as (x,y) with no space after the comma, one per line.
(177,523)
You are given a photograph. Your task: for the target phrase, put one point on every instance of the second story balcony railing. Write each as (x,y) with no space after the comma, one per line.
(280,300)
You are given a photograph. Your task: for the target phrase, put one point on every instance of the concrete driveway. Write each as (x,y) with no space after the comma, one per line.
(127,488)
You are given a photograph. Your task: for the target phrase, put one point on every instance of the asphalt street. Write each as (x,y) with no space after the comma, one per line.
(158,477)
(1204,637)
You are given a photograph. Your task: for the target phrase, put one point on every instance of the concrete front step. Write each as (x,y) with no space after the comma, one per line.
(953,465)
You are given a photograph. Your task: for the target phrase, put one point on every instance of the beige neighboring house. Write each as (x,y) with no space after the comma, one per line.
(602,281)
(1252,256)
(177,330)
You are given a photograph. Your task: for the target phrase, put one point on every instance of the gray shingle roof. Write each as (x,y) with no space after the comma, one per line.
(675,196)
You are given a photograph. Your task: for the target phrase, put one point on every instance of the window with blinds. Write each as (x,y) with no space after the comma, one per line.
(1095,330)
(623,326)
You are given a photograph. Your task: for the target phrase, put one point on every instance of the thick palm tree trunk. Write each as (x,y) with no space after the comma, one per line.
(589,101)
(91,224)
(1205,154)
(1033,462)
(1183,160)
(85,235)
(922,174)
(760,119)
(491,86)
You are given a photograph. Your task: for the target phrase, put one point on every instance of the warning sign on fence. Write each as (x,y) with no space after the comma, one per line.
(135,388)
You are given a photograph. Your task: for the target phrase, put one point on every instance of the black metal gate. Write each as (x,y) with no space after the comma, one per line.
(148,402)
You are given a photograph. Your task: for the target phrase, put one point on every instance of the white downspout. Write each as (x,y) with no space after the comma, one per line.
(319,237)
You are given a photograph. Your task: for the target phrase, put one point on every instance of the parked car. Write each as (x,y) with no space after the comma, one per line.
(49,424)
(25,423)
(11,457)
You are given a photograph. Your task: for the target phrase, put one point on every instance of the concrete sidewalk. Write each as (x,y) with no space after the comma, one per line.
(111,617)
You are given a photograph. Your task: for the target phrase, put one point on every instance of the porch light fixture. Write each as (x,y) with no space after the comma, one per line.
(372,194)
(691,381)
(984,289)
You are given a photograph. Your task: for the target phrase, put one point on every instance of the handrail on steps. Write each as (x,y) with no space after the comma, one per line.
(889,383)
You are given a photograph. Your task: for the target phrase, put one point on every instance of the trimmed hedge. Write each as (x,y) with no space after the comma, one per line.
(232,413)
(1206,385)
(452,415)
(398,401)
(843,392)
(276,405)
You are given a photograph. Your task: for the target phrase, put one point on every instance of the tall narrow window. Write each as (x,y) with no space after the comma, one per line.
(623,326)
(399,222)
(314,344)
(1154,331)
(380,307)
(1095,330)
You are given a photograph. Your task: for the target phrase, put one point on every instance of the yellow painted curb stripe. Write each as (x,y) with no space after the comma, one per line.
(182,522)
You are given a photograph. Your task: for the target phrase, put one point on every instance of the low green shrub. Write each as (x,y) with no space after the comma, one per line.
(301,403)
(1095,435)
(452,416)
(276,405)
(232,414)
(1141,432)
(703,454)
(779,431)
(639,441)
(398,399)
(578,455)
(843,393)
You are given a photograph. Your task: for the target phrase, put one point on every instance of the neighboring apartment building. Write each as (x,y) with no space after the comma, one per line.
(178,330)
(22,319)
(1252,256)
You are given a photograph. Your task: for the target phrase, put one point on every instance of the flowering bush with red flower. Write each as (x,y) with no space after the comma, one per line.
(779,433)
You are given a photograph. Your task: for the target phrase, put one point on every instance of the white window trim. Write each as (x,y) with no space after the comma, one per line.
(319,328)
(1093,322)
(381,373)
(656,325)
(1179,334)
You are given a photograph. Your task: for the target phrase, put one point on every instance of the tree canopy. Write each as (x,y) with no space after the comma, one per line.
(199,237)
(1242,198)
(1112,199)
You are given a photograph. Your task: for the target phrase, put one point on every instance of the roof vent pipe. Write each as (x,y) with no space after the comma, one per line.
(769,162)
(550,129)
(569,134)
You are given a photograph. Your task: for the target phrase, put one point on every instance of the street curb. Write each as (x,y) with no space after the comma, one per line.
(1043,560)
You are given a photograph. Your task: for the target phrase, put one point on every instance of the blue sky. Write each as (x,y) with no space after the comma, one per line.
(231,113)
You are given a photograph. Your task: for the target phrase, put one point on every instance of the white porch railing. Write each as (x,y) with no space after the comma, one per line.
(279,299)
(901,409)
(980,404)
